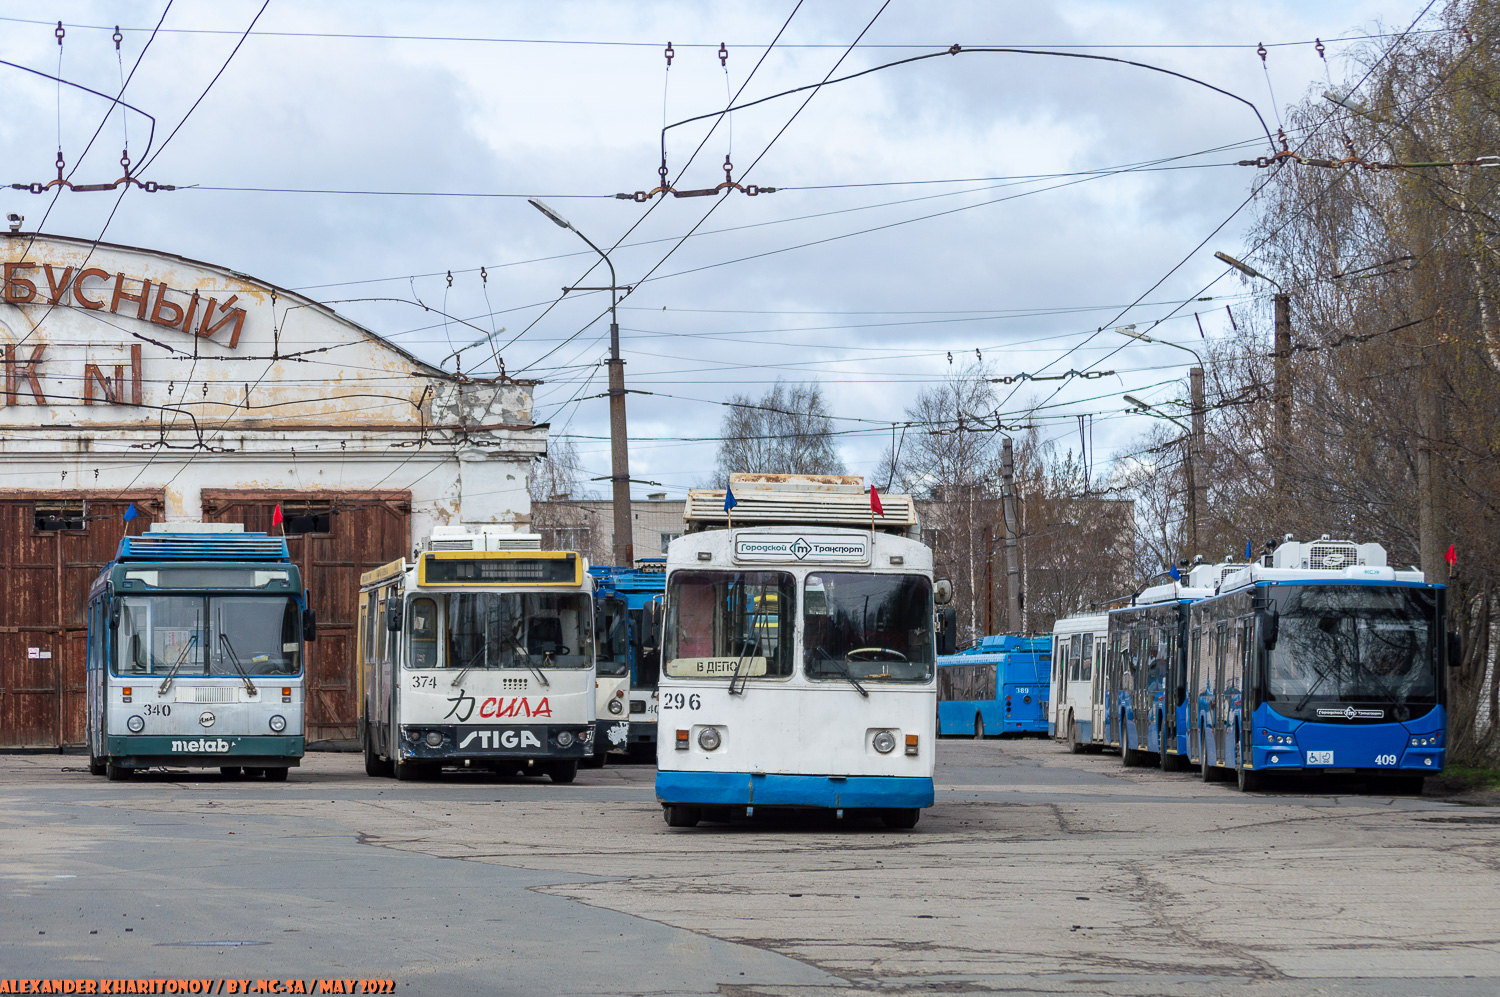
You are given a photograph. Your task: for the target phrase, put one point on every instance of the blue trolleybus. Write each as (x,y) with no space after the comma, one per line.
(998,686)
(1322,660)
(195,641)
(630,600)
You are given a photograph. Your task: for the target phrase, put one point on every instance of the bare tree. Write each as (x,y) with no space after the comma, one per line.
(785,431)
(558,475)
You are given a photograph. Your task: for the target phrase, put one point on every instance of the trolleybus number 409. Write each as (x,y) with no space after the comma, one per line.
(680,701)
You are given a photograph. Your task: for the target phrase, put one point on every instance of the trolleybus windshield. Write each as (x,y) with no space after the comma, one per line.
(188,635)
(500,630)
(728,624)
(875,628)
(1352,644)
(614,638)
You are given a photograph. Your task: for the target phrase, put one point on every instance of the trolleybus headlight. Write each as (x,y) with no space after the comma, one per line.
(564,739)
(278,723)
(136,724)
(616,706)
(885,742)
(708,739)
(434,738)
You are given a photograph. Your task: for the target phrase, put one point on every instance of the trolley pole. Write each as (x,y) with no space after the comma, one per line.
(1012,565)
(619,455)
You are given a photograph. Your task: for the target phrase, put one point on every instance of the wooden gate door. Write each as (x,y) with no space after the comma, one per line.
(52,546)
(334,537)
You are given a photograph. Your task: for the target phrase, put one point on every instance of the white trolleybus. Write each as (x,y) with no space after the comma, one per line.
(1078,696)
(480,652)
(195,640)
(797,662)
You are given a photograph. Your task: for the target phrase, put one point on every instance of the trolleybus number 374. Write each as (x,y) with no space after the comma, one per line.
(680,701)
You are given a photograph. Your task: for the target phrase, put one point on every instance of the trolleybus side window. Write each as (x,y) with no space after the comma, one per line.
(725,622)
(1086,672)
(874,627)
(424,633)
(1075,656)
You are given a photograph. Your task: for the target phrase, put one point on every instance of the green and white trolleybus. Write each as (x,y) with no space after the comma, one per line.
(195,653)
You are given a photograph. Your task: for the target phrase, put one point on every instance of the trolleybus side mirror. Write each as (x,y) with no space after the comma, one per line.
(393,616)
(1455,649)
(947,636)
(942,591)
(1270,629)
(309,623)
(114,615)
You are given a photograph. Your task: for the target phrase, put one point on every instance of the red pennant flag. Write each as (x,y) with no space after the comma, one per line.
(875,502)
(1451,557)
(276,516)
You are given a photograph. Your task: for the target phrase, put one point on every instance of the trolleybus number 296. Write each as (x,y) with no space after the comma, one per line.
(680,701)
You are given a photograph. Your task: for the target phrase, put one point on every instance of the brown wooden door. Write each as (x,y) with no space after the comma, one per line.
(43,618)
(365,530)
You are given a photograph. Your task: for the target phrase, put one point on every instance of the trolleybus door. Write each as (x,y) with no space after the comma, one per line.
(1219,699)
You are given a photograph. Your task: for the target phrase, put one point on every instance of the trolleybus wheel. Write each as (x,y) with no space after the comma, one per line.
(374,767)
(677,815)
(116,772)
(978,727)
(1074,745)
(277,774)
(565,771)
(229,771)
(596,760)
(901,820)
(96,765)
(253,773)
(1249,780)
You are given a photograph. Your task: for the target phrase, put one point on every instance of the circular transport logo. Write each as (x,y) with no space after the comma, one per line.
(206,718)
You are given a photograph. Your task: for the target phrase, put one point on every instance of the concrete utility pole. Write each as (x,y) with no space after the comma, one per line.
(1431,527)
(619,455)
(1283,370)
(1012,563)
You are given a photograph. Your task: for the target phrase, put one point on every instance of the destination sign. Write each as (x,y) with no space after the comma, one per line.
(715,668)
(464,569)
(822,547)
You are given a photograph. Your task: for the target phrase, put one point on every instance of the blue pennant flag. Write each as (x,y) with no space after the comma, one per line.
(729,500)
(1176,575)
(1248,552)
(130,512)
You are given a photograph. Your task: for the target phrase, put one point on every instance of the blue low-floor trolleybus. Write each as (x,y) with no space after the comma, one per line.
(195,653)
(1078,691)
(797,664)
(627,685)
(477,653)
(1320,658)
(998,686)
(1146,669)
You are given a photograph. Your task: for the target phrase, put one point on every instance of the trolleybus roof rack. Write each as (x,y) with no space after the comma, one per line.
(202,542)
(1323,559)
(498,537)
(837,500)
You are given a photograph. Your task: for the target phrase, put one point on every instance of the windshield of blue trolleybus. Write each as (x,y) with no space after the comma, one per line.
(1352,644)
(500,630)
(875,628)
(730,624)
(187,635)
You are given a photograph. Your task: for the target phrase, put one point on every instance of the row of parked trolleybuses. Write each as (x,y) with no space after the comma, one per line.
(1317,658)
(787,656)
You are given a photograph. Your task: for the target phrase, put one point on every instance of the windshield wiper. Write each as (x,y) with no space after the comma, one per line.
(234,659)
(166,683)
(484,650)
(525,656)
(843,670)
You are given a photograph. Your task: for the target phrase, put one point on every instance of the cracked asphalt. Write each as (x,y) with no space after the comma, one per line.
(1037,872)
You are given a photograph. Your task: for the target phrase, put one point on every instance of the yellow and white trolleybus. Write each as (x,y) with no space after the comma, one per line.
(477,654)
(798,658)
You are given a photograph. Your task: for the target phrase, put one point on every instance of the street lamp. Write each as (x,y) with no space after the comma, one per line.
(1243,268)
(1197,490)
(619,470)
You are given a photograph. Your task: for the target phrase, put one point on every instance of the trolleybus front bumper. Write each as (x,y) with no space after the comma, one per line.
(738,789)
(613,734)
(208,751)
(1415,747)
(489,743)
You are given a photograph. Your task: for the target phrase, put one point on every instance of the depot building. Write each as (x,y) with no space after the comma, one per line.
(194,393)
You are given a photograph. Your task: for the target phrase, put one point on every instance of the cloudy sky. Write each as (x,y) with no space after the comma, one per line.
(994,206)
